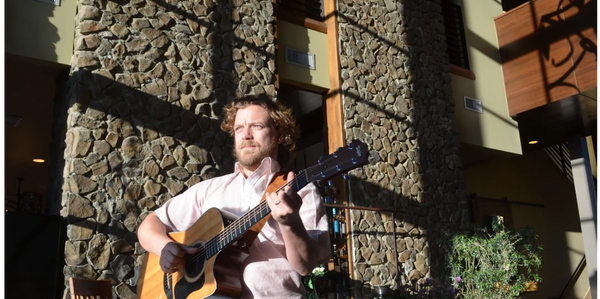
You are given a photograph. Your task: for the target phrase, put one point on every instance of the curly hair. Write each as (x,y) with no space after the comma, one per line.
(282,120)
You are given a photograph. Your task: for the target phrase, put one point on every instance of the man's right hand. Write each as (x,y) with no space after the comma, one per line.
(173,255)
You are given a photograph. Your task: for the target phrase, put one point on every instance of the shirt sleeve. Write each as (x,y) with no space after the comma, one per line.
(314,217)
(182,211)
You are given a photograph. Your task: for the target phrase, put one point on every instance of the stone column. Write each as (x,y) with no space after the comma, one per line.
(397,98)
(148,83)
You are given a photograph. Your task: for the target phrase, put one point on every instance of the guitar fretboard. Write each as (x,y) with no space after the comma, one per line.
(241,225)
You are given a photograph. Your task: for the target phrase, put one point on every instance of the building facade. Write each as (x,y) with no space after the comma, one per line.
(137,112)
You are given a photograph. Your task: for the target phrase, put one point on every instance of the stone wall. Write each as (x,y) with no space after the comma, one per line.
(397,98)
(149,79)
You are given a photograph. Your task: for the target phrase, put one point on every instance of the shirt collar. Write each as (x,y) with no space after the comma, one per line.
(267,166)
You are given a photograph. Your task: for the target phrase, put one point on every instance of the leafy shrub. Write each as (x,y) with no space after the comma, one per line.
(494,263)
(430,289)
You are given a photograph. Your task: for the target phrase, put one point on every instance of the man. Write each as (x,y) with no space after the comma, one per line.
(294,240)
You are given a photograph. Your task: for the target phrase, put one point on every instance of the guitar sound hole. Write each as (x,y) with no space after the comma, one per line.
(194,264)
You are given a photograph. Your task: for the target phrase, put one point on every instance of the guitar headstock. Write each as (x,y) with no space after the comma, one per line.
(344,159)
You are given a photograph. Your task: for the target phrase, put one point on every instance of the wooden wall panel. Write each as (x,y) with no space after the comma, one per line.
(584,41)
(536,43)
(333,102)
(587,71)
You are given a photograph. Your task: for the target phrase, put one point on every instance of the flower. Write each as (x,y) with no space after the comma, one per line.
(318,271)
(456,281)
(309,280)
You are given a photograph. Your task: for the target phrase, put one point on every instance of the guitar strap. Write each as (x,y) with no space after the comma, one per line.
(278,181)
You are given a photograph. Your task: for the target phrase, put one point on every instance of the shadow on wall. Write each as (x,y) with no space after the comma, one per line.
(130,152)
(133,151)
(33,27)
(143,125)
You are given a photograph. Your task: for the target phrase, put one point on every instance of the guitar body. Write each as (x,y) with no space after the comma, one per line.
(218,276)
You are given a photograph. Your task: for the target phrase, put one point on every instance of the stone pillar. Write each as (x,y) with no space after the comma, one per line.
(397,98)
(148,82)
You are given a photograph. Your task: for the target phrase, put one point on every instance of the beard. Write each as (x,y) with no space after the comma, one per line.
(252,158)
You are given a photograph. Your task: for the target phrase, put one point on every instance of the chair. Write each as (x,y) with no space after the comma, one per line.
(90,289)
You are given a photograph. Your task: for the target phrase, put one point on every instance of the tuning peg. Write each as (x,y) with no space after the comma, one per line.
(321,158)
(346,177)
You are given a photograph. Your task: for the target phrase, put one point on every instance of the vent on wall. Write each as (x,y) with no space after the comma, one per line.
(473,105)
(300,58)
(12,120)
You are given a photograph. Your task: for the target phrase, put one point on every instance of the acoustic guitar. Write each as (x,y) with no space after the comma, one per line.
(223,239)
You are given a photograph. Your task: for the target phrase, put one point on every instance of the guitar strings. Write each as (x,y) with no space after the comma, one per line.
(263,206)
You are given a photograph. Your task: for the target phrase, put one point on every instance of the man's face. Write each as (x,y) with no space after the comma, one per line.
(255,136)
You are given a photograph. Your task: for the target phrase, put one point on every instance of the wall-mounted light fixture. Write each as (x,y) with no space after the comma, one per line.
(533,142)
(39,160)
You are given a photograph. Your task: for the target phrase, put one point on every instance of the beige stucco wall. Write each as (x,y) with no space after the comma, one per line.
(308,40)
(493,128)
(40,30)
(533,178)
(593,161)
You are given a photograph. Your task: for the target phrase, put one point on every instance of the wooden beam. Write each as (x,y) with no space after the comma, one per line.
(300,20)
(333,99)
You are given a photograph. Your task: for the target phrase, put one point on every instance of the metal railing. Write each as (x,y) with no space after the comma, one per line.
(455,34)
(560,155)
(573,278)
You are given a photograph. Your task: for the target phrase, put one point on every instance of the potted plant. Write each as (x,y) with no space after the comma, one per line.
(494,262)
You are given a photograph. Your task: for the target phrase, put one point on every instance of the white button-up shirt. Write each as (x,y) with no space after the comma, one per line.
(266,272)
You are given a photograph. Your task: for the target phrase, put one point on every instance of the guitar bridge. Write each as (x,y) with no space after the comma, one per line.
(167,285)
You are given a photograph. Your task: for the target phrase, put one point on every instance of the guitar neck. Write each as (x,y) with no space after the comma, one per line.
(241,225)
(343,159)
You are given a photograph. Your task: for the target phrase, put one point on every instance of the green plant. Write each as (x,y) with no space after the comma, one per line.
(494,263)
(429,289)
(310,280)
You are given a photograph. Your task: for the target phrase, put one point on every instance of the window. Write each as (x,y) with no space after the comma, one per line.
(455,34)
(309,112)
(312,9)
